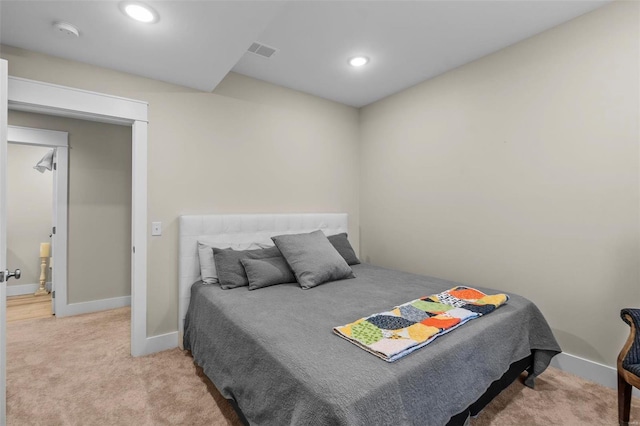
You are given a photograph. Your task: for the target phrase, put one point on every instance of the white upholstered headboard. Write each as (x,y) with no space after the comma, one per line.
(231,229)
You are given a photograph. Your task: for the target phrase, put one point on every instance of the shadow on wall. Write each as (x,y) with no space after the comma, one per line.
(580,347)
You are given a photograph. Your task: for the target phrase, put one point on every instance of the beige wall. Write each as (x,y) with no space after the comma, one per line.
(248,147)
(520,172)
(99,260)
(29,211)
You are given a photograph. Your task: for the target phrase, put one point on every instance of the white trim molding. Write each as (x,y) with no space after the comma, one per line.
(139,239)
(97,305)
(38,96)
(60,238)
(38,137)
(21,289)
(589,370)
(160,343)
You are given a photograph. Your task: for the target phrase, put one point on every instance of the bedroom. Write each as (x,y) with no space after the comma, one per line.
(486,180)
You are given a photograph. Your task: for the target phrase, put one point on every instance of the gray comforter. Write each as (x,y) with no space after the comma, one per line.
(273,351)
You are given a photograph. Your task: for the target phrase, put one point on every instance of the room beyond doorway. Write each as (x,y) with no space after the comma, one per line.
(99,212)
(36,206)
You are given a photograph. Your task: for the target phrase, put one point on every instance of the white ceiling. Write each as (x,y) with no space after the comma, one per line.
(196,43)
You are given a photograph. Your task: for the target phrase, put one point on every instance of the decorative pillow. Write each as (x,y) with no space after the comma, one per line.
(266,272)
(231,273)
(207,265)
(312,258)
(208,272)
(341,243)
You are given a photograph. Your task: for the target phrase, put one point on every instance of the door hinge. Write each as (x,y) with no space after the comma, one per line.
(53,294)
(55,166)
(54,230)
(134,249)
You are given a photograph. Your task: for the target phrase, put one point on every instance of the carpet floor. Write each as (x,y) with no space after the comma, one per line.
(78,371)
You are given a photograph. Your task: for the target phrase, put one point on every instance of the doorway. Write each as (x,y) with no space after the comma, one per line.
(35,96)
(37,212)
(98,255)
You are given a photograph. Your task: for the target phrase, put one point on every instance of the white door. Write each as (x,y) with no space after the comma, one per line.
(3,240)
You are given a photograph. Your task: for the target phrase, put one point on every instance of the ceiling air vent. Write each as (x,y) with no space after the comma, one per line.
(262,50)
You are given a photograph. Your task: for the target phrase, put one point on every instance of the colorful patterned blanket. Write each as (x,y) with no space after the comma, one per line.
(412,325)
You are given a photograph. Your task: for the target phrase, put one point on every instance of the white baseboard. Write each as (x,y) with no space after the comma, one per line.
(160,343)
(20,289)
(152,344)
(590,370)
(93,306)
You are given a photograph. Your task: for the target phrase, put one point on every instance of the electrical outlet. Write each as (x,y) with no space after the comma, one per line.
(156,228)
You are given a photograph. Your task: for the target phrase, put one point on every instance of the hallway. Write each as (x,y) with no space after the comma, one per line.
(28,306)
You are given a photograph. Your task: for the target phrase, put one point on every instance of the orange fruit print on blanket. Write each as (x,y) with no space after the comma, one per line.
(468,294)
(441,322)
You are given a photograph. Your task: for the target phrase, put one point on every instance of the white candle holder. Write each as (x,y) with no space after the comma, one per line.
(45,252)
(43,277)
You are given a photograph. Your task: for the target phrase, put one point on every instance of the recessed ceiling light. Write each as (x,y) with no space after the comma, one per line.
(358,61)
(140,12)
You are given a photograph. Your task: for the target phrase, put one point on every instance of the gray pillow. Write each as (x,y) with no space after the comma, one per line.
(312,258)
(341,243)
(229,267)
(208,271)
(266,272)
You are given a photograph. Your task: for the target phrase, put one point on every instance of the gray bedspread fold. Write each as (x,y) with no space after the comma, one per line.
(273,351)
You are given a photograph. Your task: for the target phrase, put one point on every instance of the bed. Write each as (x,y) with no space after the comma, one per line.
(272,353)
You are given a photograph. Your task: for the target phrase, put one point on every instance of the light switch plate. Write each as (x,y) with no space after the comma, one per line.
(156,228)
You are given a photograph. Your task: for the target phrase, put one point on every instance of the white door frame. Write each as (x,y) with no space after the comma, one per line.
(52,99)
(59,141)
(3,240)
